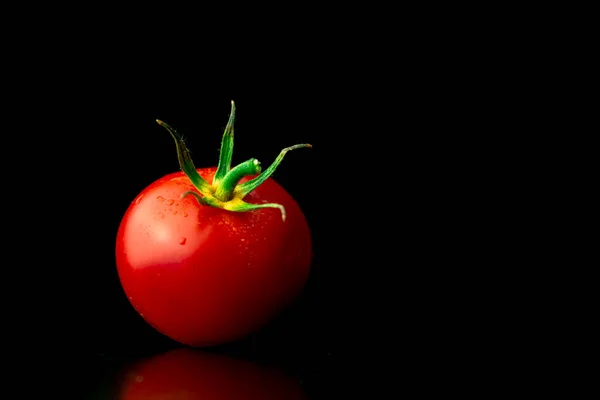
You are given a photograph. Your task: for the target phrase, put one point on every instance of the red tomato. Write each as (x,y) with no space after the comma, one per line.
(191,374)
(205,270)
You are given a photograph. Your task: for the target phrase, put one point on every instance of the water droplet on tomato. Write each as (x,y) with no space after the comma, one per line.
(182,241)
(138,199)
(160,198)
(170,201)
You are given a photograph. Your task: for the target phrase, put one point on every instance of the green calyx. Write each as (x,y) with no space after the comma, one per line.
(225,192)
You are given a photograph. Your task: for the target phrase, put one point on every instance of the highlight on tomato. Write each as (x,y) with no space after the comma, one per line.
(209,255)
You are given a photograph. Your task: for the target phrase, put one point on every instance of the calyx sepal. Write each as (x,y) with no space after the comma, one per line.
(225,192)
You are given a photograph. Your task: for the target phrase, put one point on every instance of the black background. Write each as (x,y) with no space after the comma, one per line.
(433,189)
(389,120)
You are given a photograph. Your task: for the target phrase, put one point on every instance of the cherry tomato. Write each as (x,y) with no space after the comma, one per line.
(210,255)
(191,374)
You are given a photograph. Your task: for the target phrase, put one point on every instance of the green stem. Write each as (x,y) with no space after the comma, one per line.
(226,149)
(224,190)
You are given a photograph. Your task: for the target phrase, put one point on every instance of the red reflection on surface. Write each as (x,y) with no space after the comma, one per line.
(187,373)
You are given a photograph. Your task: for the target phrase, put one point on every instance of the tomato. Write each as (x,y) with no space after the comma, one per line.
(191,374)
(209,255)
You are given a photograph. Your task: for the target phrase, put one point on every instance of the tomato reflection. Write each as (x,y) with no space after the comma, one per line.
(187,373)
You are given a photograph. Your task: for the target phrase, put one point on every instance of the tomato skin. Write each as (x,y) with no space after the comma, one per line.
(203,275)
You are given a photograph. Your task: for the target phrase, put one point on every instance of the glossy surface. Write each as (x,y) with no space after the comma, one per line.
(205,276)
(192,374)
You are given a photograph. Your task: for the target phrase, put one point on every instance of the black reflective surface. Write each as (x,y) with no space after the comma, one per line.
(291,358)
(185,373)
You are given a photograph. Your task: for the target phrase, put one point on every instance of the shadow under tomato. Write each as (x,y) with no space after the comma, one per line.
(187,373)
